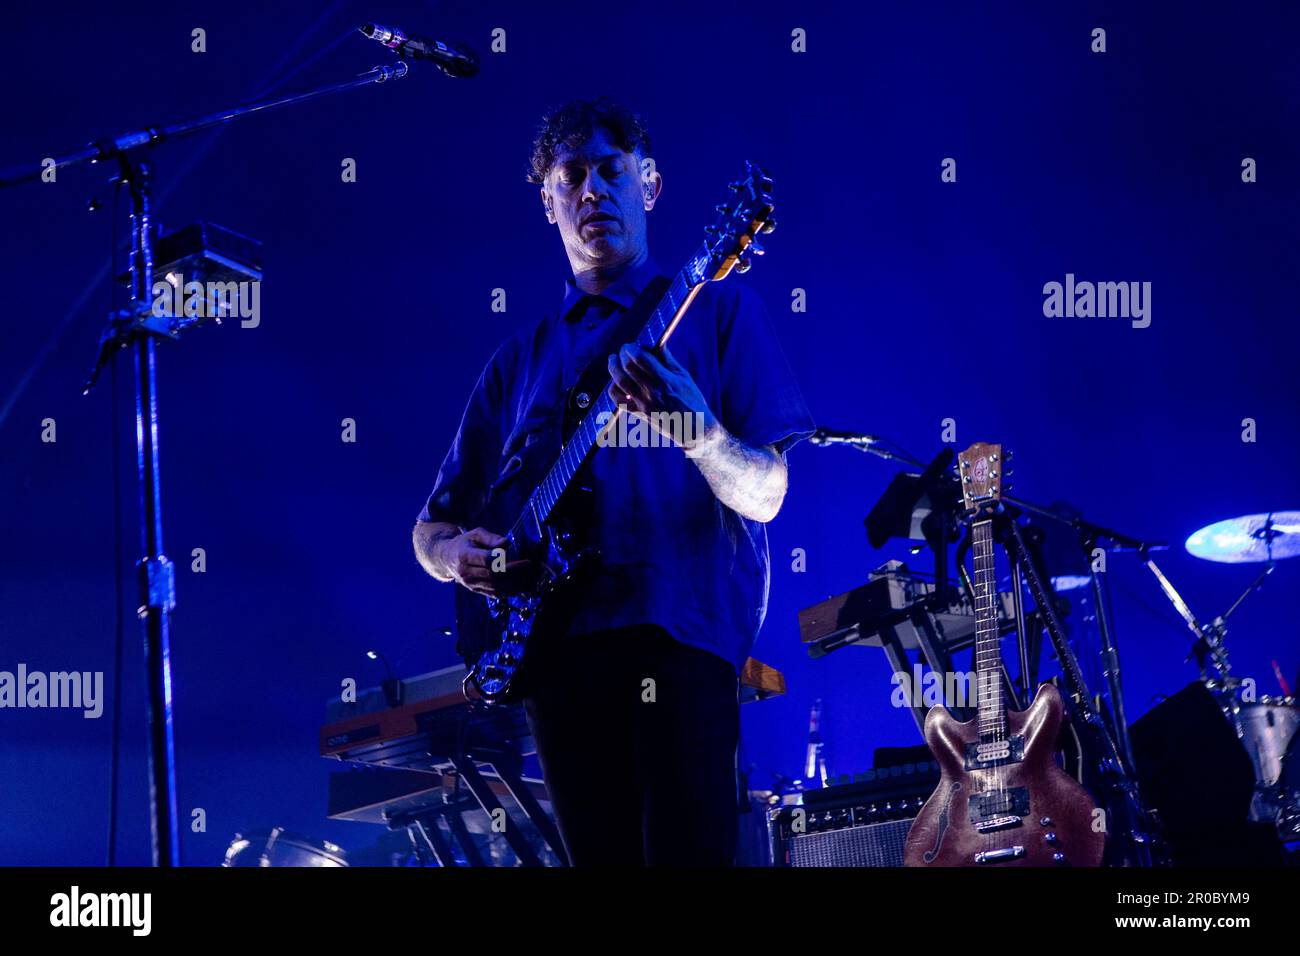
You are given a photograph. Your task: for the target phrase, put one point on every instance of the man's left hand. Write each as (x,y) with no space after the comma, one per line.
(651,381)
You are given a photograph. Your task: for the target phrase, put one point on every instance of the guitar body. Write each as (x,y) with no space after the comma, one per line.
(995,816)
(496,635)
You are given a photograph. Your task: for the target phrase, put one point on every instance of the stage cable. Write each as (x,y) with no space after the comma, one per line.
(115,464)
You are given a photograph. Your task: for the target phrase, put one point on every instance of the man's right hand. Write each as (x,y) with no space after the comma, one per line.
(476,560)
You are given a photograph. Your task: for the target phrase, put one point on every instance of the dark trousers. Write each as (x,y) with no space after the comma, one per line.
(637,738)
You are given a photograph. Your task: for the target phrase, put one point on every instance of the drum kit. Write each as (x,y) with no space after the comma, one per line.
(1265,725)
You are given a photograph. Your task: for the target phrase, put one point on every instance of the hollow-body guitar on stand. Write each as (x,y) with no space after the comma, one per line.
(542,502)
(1002,799)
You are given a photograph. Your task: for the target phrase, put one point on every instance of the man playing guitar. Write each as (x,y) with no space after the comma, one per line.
(635,711)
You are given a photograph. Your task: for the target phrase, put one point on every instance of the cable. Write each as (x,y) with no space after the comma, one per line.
(115,458)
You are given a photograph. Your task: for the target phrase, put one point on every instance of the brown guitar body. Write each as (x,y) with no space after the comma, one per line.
(1012,800)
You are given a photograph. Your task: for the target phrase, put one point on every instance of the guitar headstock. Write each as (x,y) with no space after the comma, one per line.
(732,242)
(982,468)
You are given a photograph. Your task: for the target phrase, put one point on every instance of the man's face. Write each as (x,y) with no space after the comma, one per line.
(598,199)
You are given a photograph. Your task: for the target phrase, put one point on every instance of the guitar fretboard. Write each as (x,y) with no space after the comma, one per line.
(988,651)
(603,409)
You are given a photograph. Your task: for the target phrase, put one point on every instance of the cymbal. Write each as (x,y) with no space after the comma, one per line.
(1266,537)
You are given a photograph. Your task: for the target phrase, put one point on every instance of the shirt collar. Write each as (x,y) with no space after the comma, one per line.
(622,291)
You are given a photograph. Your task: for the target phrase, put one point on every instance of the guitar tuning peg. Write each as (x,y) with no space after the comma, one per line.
(769,227)
(735,187)
(755,248)
(722,208)
(743,265)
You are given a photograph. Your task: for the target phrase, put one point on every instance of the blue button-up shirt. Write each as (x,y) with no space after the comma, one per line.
(672,554)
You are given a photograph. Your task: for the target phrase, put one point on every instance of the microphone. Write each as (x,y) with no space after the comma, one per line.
(829,436)
(452,58)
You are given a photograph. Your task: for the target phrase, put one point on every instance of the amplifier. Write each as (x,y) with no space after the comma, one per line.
(863,823)
(869,844)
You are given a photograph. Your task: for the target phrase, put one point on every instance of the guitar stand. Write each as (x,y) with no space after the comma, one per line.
(938,528)
(1126,816)
(931,643)
(1090,536)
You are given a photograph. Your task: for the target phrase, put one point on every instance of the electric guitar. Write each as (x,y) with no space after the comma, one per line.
(1002,799)
(543,500)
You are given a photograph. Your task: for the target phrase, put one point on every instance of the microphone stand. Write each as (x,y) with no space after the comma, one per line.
(121,145)
(137,328)
(870,444)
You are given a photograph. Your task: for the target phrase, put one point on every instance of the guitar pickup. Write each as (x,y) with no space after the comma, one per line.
(1000,856)
(981,755)
(994,808)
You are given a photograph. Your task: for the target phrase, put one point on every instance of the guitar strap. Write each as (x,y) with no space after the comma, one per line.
(627,326)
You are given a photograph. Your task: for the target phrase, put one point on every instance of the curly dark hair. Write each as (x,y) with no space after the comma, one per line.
(574,123)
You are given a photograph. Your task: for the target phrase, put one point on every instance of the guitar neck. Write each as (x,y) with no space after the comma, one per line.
(657,330)
(988,649)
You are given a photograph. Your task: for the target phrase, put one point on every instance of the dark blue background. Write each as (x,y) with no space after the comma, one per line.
(924,302)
